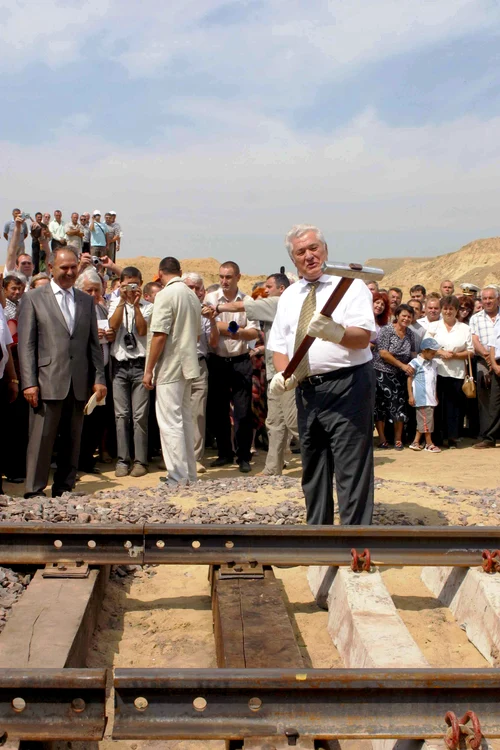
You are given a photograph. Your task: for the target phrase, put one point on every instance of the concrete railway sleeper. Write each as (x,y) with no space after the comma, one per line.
(320,704)
(187,544)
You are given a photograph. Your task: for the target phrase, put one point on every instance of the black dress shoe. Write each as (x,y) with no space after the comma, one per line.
(245,467)
(28,495)
(221,461)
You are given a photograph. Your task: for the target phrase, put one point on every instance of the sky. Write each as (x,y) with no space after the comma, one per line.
(212,127)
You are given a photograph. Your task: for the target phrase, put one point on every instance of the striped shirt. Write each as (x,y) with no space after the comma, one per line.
(482,326)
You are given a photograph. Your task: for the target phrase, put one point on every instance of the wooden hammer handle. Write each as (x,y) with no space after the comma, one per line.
(307,342)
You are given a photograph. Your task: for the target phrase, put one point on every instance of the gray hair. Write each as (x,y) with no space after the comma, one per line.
(491,286)
(193,277)
(88,275)
(299,230)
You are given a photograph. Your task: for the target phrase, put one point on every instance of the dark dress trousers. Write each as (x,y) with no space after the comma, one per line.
(64,366)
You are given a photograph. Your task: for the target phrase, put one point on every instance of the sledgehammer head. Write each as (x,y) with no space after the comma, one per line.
(352,271)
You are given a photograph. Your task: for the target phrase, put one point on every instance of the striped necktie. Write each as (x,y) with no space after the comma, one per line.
(307,311)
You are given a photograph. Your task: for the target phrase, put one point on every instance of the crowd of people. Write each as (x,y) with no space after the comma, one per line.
(174,366)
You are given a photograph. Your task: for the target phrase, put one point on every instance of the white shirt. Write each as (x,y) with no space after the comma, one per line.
(202,346)
(425,322)
(228,347)
(458,339)
(495,338)
(118,349)
(354,309)
(59,294)
(5,341)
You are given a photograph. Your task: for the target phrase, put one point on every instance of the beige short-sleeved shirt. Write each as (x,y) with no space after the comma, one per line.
(228,347)
(177,312)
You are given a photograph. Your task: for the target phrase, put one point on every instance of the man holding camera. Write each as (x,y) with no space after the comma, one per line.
(128,317)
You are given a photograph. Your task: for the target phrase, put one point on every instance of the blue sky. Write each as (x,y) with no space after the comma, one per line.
(211,127)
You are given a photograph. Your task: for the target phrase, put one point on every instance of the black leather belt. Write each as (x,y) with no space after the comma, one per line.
(314,380)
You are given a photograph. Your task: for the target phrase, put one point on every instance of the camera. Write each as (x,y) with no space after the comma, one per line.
(233,327)
(95,260)
(25,216)
(129,341)
(131,287)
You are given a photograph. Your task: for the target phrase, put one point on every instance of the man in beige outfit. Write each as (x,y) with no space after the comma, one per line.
(173,364)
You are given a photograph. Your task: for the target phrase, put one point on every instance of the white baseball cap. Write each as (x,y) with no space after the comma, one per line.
(112,213)
(96,212)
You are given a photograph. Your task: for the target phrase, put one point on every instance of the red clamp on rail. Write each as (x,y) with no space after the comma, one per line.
(473,735)
(491,561)
(361,562)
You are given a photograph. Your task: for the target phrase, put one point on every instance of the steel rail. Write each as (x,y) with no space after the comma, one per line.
(53,704)
(181,544)
(320,704)
(70,704)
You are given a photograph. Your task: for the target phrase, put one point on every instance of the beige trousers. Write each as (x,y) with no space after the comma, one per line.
(281,418)
(173,413)
(199,392)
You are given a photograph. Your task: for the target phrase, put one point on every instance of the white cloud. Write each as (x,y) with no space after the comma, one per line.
(366,176)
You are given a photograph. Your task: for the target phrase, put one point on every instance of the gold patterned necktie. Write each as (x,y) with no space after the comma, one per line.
(307,311)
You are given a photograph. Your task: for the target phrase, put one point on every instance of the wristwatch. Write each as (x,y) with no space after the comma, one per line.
(14,380)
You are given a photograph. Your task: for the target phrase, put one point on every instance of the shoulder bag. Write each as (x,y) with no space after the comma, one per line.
(469,387)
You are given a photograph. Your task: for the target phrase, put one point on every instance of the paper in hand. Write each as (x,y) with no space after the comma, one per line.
(92,403)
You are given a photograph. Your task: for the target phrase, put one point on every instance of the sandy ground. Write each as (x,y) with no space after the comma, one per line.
(162,616)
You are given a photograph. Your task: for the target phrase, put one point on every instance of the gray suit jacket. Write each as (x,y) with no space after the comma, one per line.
(49,356)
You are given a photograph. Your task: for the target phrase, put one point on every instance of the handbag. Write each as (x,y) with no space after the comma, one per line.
(468,386)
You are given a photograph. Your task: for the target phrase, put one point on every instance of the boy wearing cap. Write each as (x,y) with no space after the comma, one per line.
(422,393)
(98,241)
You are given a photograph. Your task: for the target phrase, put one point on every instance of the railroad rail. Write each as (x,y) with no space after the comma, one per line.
(226,704)
(188,544)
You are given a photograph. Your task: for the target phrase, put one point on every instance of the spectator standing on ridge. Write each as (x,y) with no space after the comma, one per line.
(74,233)
(36,231)
(8,231)
(98,231)
(114,241)
(57,230)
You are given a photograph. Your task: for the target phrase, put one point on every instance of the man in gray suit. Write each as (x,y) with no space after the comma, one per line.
(61,362)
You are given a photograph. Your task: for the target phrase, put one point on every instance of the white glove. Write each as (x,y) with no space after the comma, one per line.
(279,385)
(323,327)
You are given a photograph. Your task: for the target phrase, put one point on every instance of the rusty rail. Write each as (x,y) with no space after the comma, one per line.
(226,704)
(53,704)
(267,545)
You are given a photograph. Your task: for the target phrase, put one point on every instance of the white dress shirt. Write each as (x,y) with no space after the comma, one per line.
(355,309)
(60,294)
(228,347)
(118,349)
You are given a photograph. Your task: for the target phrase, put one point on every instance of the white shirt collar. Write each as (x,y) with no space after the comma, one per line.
(58,290)
(325,278)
